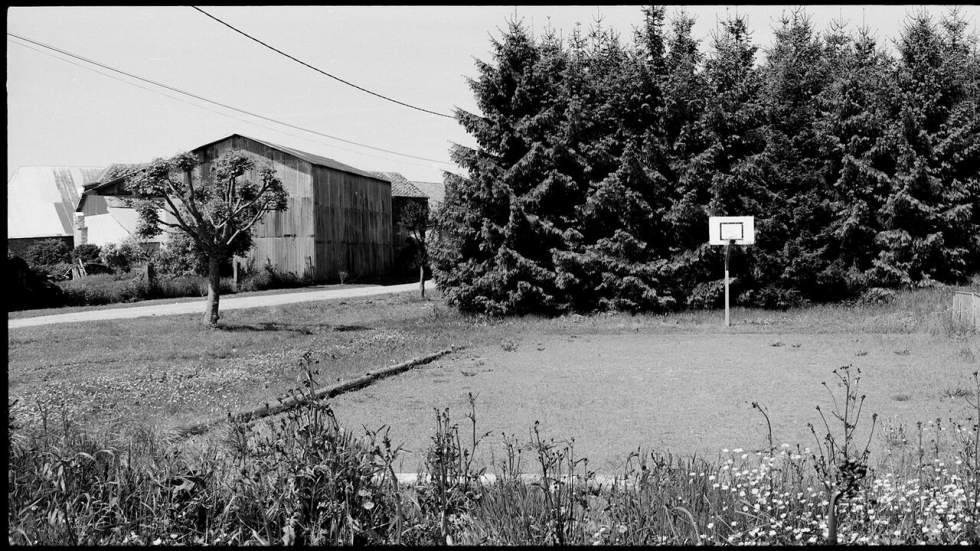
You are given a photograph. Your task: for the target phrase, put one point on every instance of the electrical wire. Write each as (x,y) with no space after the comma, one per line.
(224,105)
(321,71)
(208,109)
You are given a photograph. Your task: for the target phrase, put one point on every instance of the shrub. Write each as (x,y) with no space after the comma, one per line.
(772,298)
(27,288)
(179,257)
(121,257)
(271,278)
(101,289)
(88,253)
(47,253)
(877,295)
(710,294)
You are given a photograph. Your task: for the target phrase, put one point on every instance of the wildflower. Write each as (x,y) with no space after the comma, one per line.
(711,525)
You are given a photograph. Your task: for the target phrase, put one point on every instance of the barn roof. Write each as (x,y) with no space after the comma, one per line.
(311,158)
(41,200)
(400,186)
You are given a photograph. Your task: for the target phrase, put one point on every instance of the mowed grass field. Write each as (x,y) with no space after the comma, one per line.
(614,382)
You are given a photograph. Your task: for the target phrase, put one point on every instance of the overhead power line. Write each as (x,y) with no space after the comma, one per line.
(321,71)
(220,104)
(204,107)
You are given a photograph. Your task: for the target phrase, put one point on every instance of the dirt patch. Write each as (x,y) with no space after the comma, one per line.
(683,393)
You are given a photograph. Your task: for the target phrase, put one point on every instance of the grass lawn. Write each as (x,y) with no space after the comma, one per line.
(613,381)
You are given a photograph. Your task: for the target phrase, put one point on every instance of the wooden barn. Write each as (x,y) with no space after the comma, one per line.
(338,219)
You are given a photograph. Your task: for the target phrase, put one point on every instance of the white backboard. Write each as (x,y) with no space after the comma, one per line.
(723,230)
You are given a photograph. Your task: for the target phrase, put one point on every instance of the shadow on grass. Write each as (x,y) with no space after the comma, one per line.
(305,329)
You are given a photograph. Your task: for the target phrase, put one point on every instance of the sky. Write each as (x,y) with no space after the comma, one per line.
(64,114)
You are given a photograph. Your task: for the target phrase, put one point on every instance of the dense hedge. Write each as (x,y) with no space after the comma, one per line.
(598,163)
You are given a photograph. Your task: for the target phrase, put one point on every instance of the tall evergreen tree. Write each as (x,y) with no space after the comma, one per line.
(856,157)
(615,101)
(598,163)
(795,73)
(492,251)
(929,222)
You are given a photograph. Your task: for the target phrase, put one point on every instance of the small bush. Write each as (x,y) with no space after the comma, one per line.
(88,253)
(100,289)
(772,298)
(711,294)
(271,278)
(180,257)
(877,295)
(47,253)
(121,257)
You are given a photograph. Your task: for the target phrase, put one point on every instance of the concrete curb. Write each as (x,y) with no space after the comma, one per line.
(324,392)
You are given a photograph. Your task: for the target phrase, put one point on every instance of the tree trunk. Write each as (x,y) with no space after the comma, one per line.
(214,291)
(422,280)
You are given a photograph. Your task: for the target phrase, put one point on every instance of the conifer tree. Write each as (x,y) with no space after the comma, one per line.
(856,158)
(492,250)
(795,73)
(929,226)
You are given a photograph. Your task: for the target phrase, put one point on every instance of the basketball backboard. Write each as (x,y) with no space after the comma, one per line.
(739,230)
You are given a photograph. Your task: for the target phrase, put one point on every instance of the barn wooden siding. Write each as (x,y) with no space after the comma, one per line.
(335,221)
(353,224)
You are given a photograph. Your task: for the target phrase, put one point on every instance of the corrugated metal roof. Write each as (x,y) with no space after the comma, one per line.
(41,200)
(400,186)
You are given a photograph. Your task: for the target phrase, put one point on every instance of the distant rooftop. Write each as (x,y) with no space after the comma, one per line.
(400,186)
(41,200)
(436,191)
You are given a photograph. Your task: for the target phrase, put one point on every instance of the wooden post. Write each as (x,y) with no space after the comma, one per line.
(234,272)
(728,249)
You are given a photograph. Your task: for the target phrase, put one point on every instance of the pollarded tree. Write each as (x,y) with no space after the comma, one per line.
(216,211)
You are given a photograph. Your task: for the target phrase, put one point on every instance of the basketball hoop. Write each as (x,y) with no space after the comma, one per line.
(728,231)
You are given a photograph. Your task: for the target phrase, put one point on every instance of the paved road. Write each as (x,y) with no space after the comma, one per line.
(227,303)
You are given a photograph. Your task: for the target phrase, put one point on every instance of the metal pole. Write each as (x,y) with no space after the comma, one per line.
(727,318)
